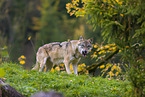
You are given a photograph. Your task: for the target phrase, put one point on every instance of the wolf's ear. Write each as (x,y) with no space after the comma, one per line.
(90,40)
(81,38)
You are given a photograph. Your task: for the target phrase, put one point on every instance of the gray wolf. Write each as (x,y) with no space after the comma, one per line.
(69,52)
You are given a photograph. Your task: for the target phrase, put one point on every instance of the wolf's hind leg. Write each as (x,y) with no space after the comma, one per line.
(42,64)
(36,66)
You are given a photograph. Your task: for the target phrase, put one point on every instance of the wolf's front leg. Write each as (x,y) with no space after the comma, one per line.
(75,65)
(75,69)
(67,66)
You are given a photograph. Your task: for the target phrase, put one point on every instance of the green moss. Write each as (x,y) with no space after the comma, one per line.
(29,82)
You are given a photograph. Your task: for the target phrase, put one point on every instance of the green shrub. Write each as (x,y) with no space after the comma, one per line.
(29,82)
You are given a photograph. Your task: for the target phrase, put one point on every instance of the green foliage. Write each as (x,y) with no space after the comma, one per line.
(4,56)
(122,22)
(109,69)
(4,52)
(29,82)
(136,68)
(2,72)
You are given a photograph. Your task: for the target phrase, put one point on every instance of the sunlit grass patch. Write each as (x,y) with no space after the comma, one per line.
(30,82)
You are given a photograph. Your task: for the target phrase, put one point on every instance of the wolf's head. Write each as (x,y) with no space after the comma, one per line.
(84,46)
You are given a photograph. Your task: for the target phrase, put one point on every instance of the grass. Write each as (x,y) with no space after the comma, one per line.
(30,82)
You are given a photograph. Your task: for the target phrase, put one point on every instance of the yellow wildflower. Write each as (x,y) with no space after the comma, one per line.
(112,5)
(111,73)
(118,69)
(71,67)
(113,44)
(22,62)
(95,46)
(108,64)
(23,57)
(102,66)
(126,65)
(119,2)
(52,70)
(57,68)
(83,65)
(121,15)
(113,48)
(29,38)
(68,10)
(103,51)
(110,48)
(94,56)
(79,69)
(104,0)
(106,46)
(114,67)
(108,51)
(62,65)
(116,73)
(100,52)
(127,46)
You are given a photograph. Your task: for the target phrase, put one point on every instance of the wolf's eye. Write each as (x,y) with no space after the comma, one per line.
(82,45)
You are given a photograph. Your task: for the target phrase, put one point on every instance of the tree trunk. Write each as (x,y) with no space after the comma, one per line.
(8,91)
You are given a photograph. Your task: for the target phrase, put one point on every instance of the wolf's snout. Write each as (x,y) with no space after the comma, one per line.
(84,53)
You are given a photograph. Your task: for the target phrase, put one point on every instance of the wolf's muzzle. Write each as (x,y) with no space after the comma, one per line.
(84,53)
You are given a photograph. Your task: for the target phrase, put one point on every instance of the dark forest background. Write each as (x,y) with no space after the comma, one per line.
(26,25)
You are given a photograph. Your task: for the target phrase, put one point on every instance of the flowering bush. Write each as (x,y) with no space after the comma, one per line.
(110,69)
(61,68)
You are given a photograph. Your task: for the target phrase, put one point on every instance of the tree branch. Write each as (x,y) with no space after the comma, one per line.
(93,67)
(8,91)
